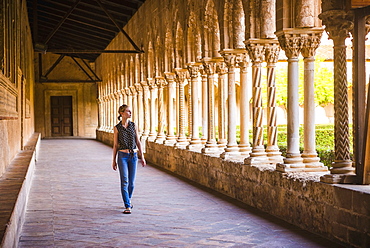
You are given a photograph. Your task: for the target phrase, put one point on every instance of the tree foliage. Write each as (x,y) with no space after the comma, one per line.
(324,83)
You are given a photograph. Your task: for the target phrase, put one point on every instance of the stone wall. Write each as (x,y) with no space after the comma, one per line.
(337,212)
(16,82)
(84,107)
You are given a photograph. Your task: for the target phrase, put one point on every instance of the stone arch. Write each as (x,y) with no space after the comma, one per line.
(194,44)
(238,24)
(227,25)
(179,47)
(150,60)
(168,52)
(211,39)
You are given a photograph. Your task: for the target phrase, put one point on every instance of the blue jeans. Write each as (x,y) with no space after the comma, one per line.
(127,164)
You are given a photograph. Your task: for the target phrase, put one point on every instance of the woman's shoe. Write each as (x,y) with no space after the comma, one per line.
(127,211)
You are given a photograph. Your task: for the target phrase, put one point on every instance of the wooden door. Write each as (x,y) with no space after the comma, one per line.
(61,116)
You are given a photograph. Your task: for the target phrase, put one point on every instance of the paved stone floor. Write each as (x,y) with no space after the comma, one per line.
(75,201)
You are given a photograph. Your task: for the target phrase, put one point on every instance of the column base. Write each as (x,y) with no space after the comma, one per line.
(211,148)
(181,143)
(222,144)
(342,167)
(231,155)
(195,146)
(160,138)
(338,178)
(170,141)
(259,160)
(292,163)
(204,141)
(275,158)
(245,150)
(152,137)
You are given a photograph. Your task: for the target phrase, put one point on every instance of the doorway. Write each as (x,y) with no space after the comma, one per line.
(61,116)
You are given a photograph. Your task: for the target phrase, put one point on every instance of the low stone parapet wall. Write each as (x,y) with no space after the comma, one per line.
(336,211)
(15,185)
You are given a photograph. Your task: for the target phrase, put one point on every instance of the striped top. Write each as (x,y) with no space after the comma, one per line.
(126,136)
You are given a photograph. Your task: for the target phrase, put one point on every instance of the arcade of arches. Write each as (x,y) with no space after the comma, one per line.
(204,66)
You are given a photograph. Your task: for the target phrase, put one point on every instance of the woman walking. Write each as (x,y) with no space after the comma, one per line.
(126,145)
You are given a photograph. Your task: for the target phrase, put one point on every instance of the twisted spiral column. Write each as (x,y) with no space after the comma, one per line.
(256,53)
(272,50)
(182,141)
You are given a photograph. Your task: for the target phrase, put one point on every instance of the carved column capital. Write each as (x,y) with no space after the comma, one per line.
(290,42)
(194,69)
(128,91)
(181,75)
(256,50)
(170,76)
(338,23)
(209,67)
(221,68)
(138,87)
(133,90)
(242,59)
(310,43)
(151,83)
(230,59)
(272,51)
(160,82)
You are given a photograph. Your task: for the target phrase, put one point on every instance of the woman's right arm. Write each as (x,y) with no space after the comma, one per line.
(115,148)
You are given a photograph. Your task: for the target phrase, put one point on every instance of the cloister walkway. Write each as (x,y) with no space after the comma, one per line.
(75,201)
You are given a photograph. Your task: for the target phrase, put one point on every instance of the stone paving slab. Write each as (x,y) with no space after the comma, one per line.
(75,201)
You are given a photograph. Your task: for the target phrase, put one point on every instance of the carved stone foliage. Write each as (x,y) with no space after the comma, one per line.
(310,43)
(291,44)
(338,23)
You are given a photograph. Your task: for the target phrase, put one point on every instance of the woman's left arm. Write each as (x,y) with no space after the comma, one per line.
(138,144)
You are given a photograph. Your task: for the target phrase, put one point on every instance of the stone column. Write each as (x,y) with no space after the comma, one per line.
(134,108)
(140,111)
(153,112)
(182,141)
(338,26)
(211,146)
(129,97)
(195,142)
(272,50)
(256,54)
(146,110)
(290,42)
(170,138)
(221,70)
(105,113)
(117,95)
(161,137)
(190,108)
(244,146)
(111,119)
(231,147)
(310,43)
(204,107)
